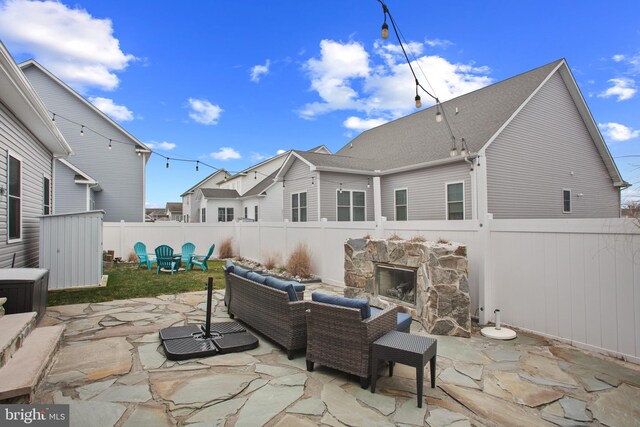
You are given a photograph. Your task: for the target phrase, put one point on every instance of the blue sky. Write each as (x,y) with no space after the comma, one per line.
(230,83)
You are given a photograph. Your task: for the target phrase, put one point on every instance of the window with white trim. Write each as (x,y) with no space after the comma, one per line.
(14,211)
(225,214)
(351,205)
(46,196)
(455,201)
(401,201)
(299,207)
(566,200)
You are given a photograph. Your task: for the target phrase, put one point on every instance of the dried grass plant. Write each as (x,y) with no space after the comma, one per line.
(226,248)
(299,262)
(271,261)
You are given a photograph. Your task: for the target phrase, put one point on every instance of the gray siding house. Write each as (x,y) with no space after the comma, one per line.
(190,207)
(531,150)
(104,151)
(29,143)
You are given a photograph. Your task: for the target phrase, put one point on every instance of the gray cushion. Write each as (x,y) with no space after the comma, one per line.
(275,281)
(255,277)
(360,304)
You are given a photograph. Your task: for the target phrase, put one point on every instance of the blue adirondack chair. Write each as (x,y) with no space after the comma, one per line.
(187,252)
(143,257)
(164,256)
(202,260)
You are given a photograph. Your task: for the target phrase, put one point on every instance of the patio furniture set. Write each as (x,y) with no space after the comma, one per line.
(166,259)
(340,333)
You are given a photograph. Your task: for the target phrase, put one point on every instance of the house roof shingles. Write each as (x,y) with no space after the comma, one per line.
(219,193)
(174,207)
(262,185)
(418,138)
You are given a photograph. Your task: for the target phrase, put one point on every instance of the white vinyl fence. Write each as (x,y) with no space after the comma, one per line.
(573,280)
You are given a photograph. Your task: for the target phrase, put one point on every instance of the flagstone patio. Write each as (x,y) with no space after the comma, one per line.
(112,372)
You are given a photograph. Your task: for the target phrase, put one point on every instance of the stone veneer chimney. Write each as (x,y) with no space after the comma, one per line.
(442,288)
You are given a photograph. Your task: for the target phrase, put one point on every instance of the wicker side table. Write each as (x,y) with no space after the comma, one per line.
(408,349)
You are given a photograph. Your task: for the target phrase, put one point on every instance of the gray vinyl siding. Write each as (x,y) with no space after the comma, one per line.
(545,149)
(119,170)
(329,186)
(69,197)
(270,206)
(426,191)
(298,180)
(36,164)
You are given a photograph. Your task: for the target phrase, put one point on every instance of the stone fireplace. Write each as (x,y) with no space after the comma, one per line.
(425,279)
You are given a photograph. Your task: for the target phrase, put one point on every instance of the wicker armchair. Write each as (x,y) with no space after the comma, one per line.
(337,337)
(267,310)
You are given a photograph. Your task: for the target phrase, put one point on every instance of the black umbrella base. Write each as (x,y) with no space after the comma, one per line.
(191,341)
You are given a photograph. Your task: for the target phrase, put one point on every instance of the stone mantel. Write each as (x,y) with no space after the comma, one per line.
(442,288)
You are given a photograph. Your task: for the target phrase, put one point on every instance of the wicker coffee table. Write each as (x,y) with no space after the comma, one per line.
(408,349)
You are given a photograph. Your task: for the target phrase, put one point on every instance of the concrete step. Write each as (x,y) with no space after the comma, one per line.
(14,328)
(20,377)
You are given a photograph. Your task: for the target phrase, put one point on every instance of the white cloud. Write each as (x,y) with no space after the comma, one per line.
(115,111)
(164,145)
(257,157)
(618,58)
(618,132)
(226,153)
(622,87)
(331,74)
(438,43)
(281,151)
(347,77)
(360,125)
(257,71)
(204,112)
(72,44)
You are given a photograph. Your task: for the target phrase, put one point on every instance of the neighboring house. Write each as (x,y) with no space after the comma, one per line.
(173,210)
(532,147)
(111,158)
(29,144)
(249,195)
(155,214)
(189,205)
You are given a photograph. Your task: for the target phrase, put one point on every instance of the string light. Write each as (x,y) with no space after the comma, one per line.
(340,188)
(255,174)
(282,182)
(385,27)
(54,117)
(312,183)
(368,182)
(438,114)
(109,144)
(167,165)
(197,163)
(82,130)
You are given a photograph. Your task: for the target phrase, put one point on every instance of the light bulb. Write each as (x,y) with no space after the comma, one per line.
(438,116)
(418,102)
(453,152)
(54,118)
(139,154)
(197,163)
(463,152)
(109,144)
(167,166)
(385,31)
(82,131)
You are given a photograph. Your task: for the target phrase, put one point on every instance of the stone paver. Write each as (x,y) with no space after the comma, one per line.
(111,370)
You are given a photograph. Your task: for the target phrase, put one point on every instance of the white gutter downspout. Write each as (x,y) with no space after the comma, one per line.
(377,206)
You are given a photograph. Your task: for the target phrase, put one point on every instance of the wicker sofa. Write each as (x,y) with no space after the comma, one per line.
(338,337)
(267,310)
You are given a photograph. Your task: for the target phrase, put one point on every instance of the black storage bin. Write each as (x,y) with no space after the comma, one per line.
(25,289)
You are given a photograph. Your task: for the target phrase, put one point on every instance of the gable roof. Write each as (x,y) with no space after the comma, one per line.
(23,101)
(219,193)
(82,177)
(262,186)
(33,63)
(174,207)
(418,138)
(195,187)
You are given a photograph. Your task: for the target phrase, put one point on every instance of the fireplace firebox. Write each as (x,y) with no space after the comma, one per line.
(395,282)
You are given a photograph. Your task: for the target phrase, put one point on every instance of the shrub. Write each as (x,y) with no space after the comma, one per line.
(299,262)
(418,239)
(271,261)
(395,237)
(226,248)
(443,241)
(367,237)
(133,257)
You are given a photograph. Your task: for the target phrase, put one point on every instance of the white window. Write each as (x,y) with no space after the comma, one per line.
(225,214)
(14,195)
(299,207)
(46,196)
(401,202)
(566,200)
(351,205)
(455,200)
(204,215)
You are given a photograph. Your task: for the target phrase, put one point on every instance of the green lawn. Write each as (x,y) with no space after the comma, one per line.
(126,281)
